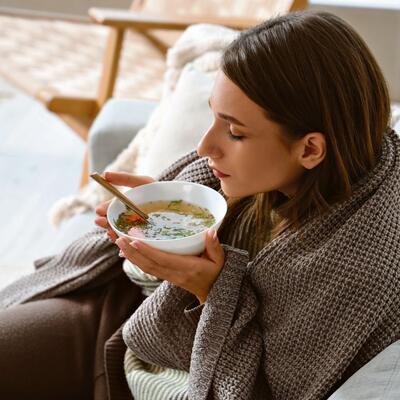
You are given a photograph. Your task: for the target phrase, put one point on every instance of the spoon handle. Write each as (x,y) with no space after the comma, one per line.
(99,179)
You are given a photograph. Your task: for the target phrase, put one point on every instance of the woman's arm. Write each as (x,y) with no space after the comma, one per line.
(163,328)
(160,332)
(170,329)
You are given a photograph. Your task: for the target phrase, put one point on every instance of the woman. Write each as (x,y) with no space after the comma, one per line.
(300,139)
(290,304)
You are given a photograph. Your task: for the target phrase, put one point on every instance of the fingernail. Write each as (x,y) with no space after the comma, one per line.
(215,235)
(134,244)
(121,243)
(121,254)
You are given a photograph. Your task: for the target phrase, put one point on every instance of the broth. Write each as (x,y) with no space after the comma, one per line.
(167,220)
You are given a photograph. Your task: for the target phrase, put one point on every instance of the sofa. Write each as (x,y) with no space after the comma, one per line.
(144,137)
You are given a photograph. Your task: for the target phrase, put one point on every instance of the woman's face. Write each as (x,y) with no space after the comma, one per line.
(246,146)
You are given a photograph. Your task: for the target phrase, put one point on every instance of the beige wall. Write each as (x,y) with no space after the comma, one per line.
(77,7)
(380,28)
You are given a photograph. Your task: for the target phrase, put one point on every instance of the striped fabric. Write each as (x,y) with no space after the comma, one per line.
(150,382)
(147,282)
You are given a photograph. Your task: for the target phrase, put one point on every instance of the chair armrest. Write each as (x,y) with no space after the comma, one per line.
(114,128)
(123,19)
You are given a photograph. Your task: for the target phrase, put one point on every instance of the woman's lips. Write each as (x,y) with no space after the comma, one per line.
(219,174)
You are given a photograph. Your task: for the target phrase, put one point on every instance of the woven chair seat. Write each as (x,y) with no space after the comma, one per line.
(257,9)
(60,58)
(65,58)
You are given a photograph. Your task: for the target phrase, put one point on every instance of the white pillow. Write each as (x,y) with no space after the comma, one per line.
(395,123)
(379,379)
(186,118)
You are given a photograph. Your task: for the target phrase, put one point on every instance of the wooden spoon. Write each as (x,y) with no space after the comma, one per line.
(99,179)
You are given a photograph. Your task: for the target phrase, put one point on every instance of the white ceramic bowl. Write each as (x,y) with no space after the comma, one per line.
(194,193)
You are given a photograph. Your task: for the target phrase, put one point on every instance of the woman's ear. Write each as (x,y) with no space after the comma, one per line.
(312,149)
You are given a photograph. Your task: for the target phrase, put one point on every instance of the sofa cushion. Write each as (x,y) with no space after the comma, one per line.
(395,122)
(377,380)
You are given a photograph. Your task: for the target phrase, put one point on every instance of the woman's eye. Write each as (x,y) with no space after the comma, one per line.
(234,137)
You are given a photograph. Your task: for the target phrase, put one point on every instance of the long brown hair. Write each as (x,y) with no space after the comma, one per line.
(311,72)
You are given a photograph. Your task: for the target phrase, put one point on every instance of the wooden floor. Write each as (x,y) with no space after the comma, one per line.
(40,162)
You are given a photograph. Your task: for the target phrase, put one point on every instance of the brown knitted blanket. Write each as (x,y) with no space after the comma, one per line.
(313,306)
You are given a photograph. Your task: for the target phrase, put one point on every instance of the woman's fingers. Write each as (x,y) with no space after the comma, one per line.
(101,209)
(102,222)
(112,235)
(126,179)
(169,260)
(163,265)
(192,273)
(146,265)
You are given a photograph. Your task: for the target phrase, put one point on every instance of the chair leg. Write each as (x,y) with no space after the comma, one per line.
(85,170)
(110,66)
(80,124)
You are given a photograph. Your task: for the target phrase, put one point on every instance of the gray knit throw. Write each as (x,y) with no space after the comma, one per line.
(313,307)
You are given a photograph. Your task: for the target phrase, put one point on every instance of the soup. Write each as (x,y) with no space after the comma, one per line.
(167,220)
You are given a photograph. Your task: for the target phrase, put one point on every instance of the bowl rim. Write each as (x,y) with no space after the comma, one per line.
(149,240)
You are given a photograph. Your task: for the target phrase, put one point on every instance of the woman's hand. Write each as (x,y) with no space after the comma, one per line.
(119,179)
(196,274)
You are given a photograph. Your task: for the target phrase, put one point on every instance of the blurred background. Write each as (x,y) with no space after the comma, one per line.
(76,8)
(58,68)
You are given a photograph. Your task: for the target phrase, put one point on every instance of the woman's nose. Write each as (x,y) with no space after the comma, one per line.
(207,145)
(201,148)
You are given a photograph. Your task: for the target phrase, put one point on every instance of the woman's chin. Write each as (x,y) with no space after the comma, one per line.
(231,191)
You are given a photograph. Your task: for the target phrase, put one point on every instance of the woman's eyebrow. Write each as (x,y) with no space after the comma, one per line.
(228,117)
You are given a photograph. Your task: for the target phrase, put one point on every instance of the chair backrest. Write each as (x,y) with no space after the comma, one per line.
(257,9)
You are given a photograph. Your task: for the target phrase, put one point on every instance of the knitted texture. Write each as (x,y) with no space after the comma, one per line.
(313,307)
(84,261)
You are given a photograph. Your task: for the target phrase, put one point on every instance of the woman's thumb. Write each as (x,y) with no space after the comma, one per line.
(126,179)
(214,249)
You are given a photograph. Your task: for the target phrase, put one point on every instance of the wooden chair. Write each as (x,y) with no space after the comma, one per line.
(72,66)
